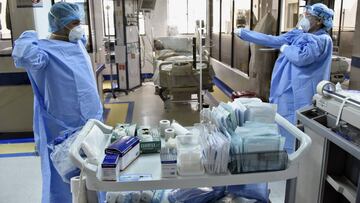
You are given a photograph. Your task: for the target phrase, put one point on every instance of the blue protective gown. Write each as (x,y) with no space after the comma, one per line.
(298,70)
(65,98)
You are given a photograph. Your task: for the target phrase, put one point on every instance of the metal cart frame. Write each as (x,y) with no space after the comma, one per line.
(89,182)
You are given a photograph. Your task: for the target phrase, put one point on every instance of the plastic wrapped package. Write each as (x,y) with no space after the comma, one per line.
(148,196)
(189,161)
(61,159)
(243,100)
(233,120)
(247,131)
(261,112)
(262,143)
(198,195)
(230,198)
(216,148)
(240,111)
(179,129)
(260,192)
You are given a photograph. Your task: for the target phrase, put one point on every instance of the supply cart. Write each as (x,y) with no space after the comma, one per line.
(88,182)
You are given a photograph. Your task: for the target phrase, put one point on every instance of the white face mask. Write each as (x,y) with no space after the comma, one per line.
(304,24)
(76,34)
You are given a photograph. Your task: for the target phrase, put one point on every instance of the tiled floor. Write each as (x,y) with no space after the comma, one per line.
(20,179)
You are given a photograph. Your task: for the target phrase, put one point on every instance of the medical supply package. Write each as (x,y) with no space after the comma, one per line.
(150,141)
(127,148)
(110,167)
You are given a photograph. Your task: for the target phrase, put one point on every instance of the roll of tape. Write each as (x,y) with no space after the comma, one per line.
(179,129)
(163,124)
(78,189)
(324,85)
(169,133)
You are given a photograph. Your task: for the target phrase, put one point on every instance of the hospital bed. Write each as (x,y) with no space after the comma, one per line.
(177,74)
(82,187)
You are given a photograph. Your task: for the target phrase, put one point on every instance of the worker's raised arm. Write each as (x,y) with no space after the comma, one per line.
(27,54)
(266,40)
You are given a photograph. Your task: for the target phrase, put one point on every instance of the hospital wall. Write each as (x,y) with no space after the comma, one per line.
(355,64)
(16,103)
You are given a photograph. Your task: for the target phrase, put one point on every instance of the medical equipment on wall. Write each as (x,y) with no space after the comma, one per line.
(127,45)
(333,123)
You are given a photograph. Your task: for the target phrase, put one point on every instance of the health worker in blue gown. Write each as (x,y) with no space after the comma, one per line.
(64,86)
(304,60)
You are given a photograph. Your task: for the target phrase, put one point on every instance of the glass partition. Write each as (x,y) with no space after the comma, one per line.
(5,29)
(215,35)
(241,48)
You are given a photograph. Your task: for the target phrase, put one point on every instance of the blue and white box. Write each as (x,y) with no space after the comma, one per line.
(127,148)
(110,167)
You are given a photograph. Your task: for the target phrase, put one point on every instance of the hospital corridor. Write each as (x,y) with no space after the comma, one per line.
(179,101)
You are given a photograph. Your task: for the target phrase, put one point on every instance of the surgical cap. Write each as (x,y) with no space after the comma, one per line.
(61,14)
(323,12)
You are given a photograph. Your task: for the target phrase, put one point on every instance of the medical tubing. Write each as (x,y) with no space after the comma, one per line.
(341,110)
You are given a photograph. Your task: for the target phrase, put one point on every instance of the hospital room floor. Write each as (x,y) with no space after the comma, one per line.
(20,179)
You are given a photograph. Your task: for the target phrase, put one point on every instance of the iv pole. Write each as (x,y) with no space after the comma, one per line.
(109,52)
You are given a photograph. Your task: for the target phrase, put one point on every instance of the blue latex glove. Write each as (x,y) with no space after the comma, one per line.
(238,32)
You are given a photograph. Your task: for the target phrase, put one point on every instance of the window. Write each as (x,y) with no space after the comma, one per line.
(241,48)
(228,15)
(290,15)
(226,31)
(215,35)
(263,7)
(5,29)
(85,21)
(344,26)
(141,23)
(182,14)
(108,6)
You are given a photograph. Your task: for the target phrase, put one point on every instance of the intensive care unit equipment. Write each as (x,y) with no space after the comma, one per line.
(331,171)
(206,157)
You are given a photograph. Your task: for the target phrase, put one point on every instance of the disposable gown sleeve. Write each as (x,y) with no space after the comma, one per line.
(27,53)
(305,53)
(268,40)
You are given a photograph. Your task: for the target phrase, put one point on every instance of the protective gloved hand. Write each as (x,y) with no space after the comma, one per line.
(238,32)
(282,48)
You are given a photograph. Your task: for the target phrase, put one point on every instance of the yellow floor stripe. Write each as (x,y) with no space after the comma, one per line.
(106,84)
(17,148)
(219,95)
(117,114)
